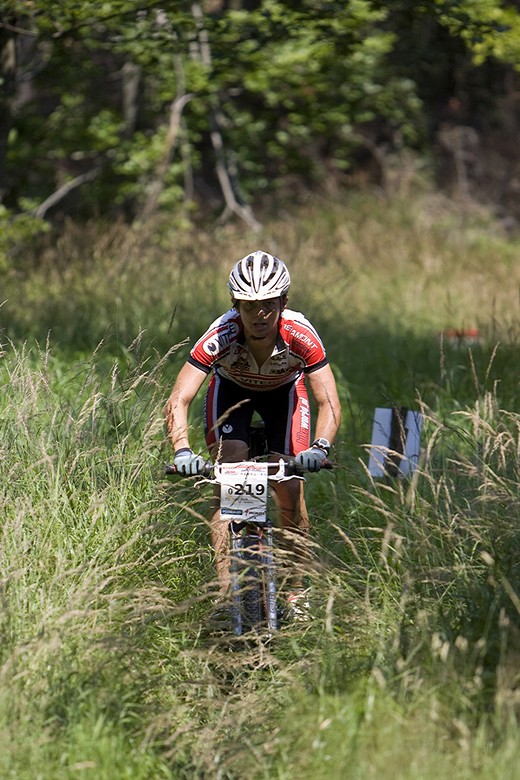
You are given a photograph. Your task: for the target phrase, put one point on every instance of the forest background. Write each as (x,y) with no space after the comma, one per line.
(122,109)
(144,147)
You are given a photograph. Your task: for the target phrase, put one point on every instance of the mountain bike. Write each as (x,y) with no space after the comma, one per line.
(244,491)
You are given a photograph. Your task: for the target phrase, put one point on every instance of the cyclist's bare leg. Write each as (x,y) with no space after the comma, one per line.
(227,451)
(294,520)
(292,508)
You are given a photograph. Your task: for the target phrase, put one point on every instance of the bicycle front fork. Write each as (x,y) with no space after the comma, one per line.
(253,551)
(271,613)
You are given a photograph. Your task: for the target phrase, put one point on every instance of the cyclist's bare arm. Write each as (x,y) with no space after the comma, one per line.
(323,388)
(188,383)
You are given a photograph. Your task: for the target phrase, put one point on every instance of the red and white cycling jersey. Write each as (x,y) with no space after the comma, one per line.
(223,348)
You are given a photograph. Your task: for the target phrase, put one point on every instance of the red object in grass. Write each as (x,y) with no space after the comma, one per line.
(460,336)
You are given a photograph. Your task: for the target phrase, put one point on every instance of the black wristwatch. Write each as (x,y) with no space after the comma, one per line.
(323,444)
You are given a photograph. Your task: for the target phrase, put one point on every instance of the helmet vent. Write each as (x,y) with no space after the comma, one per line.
(259,276)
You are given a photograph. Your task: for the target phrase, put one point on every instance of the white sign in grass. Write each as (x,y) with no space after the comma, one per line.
(396,441)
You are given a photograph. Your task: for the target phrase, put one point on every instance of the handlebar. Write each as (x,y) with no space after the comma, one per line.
(291,469)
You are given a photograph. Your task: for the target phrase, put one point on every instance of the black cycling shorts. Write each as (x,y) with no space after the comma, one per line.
(229,408)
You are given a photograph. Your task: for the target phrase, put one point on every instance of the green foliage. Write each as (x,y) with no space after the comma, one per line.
(294,88)
(313,77)
(17,231)
(489,29)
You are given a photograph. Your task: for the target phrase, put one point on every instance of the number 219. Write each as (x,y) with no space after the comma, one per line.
(247,490)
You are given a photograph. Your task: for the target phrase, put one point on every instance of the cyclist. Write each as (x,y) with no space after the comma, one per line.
(259,354)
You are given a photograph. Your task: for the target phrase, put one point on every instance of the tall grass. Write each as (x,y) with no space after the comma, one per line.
(409,667)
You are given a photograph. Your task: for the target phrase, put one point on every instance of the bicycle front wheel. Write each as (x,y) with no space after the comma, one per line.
(253,613)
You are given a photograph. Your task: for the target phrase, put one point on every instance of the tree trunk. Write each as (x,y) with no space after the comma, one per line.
(8,63)
(131,74)
(203,52)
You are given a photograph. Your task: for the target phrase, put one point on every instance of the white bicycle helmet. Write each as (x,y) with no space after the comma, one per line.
(259,276)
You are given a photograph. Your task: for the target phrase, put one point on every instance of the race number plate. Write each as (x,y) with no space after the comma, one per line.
(243,491)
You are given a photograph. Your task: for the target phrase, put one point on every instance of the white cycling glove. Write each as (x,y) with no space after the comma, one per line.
(188,463)
(311,459)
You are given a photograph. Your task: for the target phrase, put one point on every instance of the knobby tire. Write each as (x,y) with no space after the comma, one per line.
(252,587)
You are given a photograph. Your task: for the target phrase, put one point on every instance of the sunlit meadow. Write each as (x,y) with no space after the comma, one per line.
(409,667)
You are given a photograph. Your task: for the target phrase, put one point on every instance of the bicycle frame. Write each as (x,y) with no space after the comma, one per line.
(244,490)
(244,493)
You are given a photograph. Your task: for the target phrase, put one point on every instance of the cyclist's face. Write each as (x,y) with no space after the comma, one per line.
(260,318)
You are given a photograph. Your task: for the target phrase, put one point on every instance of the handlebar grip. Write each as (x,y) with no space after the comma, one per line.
(293,469)
(171,470)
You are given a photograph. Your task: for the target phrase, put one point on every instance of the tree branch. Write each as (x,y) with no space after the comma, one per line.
(157,186)
(64,190)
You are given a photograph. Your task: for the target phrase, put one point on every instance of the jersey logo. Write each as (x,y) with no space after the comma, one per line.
(305,415)
(220,340)
(303,337)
